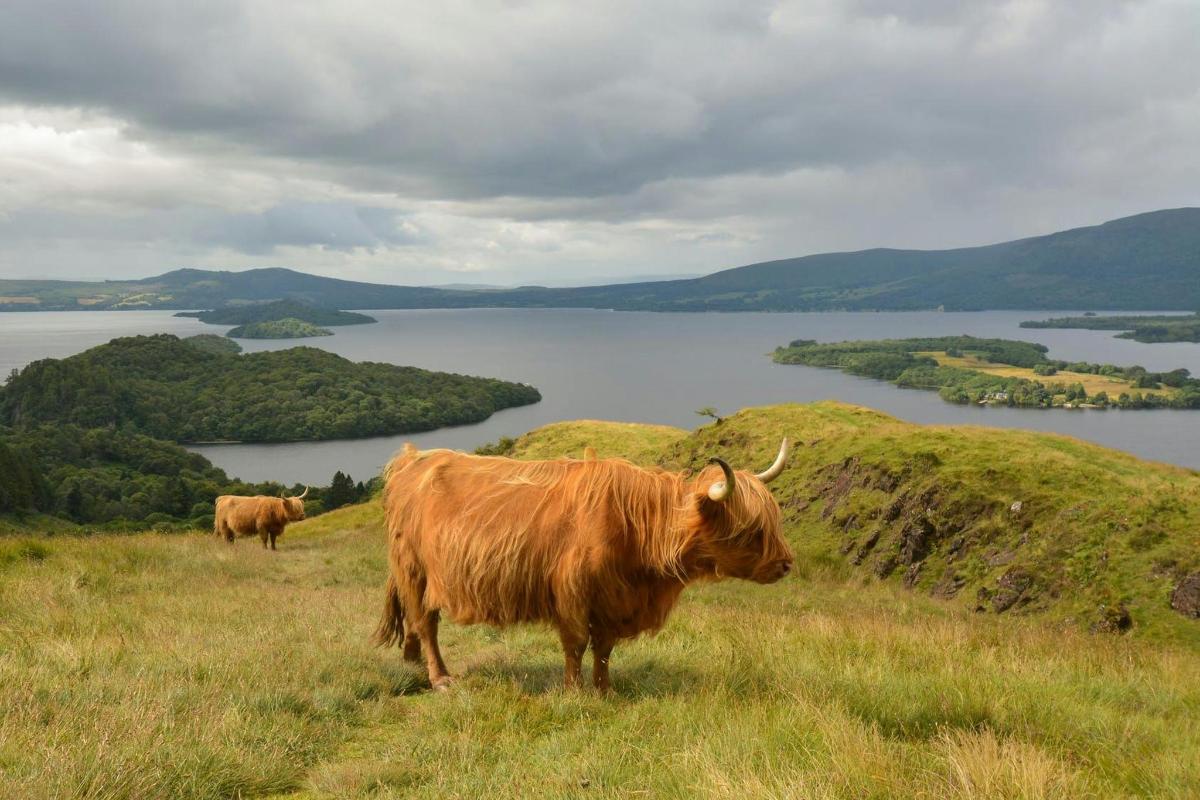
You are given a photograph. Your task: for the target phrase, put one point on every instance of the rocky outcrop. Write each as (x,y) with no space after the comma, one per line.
(1186,597)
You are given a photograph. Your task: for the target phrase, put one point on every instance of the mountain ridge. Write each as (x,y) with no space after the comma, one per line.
(1145,262)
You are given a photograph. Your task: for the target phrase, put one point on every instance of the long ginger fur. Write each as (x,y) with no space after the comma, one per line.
(600,549)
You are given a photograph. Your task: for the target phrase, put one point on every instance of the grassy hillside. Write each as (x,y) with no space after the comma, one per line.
(1098,535)
(176,666)
(1145,262)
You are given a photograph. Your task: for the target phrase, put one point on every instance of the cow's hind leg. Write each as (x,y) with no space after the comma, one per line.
(412,647)
(262,536)
(427,629)
(273,535)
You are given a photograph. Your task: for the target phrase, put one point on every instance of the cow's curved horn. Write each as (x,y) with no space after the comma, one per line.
(773,471)
(721,491)
(302,496)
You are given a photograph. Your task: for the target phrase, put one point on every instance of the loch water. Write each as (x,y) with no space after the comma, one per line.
(640,367)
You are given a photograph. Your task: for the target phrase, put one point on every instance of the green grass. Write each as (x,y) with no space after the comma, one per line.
(176,666)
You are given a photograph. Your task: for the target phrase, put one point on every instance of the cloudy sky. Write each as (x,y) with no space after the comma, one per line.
(515,142)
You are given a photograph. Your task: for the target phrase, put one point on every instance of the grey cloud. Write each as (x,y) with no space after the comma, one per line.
(331,226)
(527,100)
(756,129)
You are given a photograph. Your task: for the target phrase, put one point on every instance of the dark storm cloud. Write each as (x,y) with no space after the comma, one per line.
(602,112)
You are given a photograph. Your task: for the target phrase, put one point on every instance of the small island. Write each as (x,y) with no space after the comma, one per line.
(279,310)
(287,328)
(1149,328)
(966,369)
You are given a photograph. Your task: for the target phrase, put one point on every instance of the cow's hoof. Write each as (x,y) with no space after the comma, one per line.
(443,684)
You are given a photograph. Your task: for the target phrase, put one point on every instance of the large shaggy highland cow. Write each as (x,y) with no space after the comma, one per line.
(600,549)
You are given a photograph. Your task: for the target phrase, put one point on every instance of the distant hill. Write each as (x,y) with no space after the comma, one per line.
(1146,262)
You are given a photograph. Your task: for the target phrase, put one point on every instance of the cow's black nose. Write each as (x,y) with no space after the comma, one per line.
(785,567)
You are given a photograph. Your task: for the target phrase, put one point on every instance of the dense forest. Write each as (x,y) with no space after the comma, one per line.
(212,343)
(164,387)
(277,310)
(1148,328)
(107,478)
(287,328)
(913,363)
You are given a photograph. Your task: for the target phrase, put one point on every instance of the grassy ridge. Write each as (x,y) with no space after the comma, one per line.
(176,666)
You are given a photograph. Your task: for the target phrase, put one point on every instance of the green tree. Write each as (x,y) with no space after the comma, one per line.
(341,491)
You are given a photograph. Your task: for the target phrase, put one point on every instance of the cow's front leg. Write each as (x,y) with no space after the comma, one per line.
(574,644)
(262,537)
(273,535)
(602,645)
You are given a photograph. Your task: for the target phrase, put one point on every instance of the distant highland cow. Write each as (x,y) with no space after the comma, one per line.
(601,549)
(263,515)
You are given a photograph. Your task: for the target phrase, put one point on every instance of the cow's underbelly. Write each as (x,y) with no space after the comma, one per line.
(492,603)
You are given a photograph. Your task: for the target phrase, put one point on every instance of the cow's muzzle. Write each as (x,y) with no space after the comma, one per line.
(775,571)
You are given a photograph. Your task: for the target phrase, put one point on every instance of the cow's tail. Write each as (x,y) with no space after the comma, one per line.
(391,622)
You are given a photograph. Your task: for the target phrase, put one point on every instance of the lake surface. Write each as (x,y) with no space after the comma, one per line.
(640,367)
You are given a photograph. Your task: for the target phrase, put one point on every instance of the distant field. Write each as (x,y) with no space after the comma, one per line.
(1092,383)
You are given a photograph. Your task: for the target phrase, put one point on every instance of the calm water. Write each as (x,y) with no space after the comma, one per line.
(641,367)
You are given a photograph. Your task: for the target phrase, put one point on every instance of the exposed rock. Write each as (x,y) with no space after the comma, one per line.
(956,548)
(1186,597)
(839,486)
(916,539)
(884,566)
(1000,558)
(866,547)
(949,585)
(1112,619)
(913,574)
(1016,507)
(892,512)
(847,546)
(1011,589)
